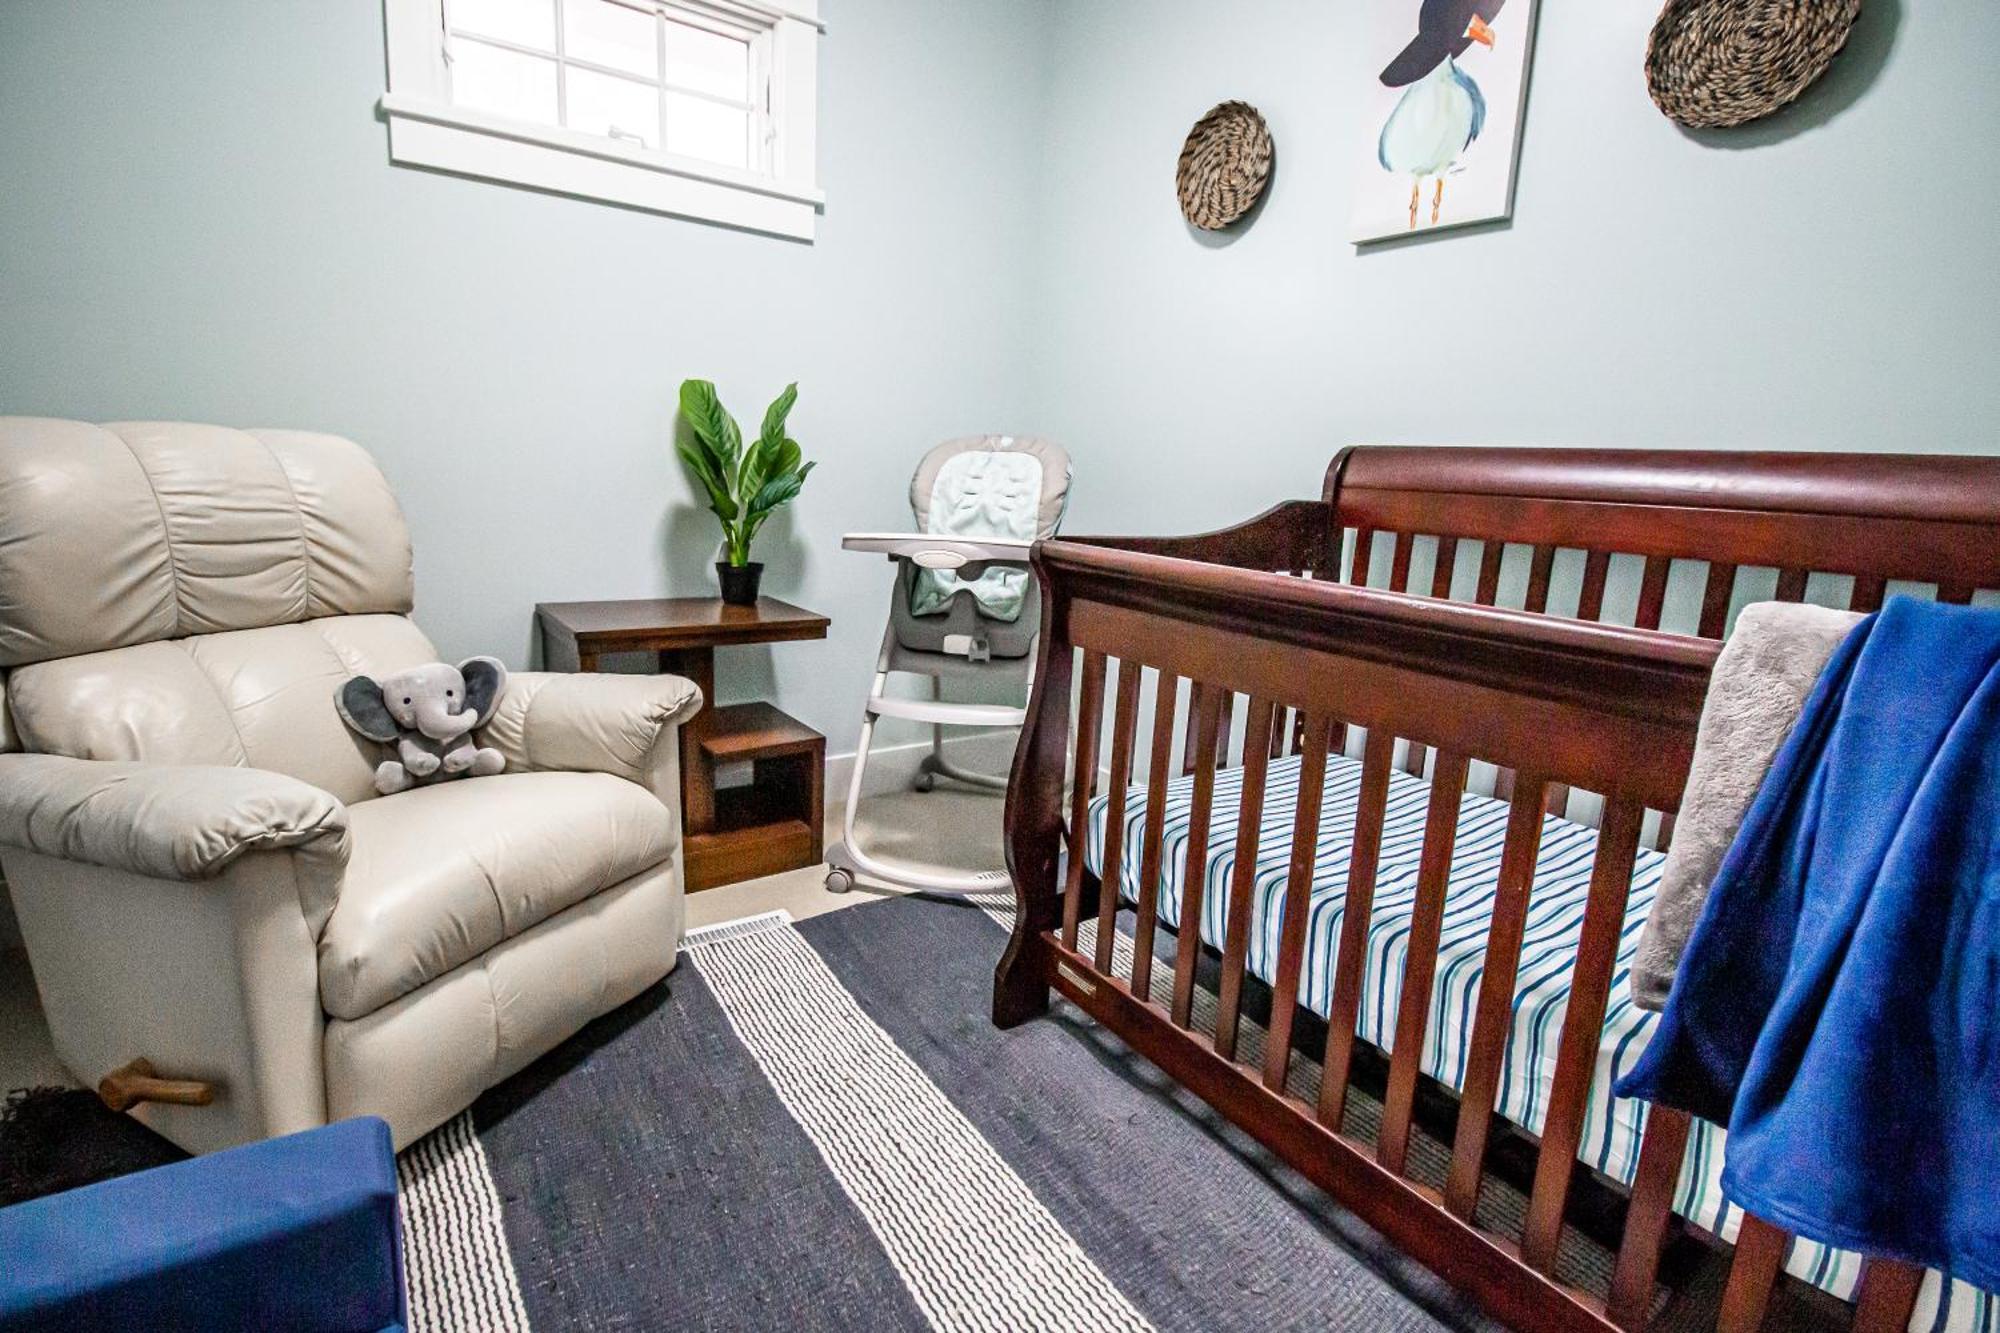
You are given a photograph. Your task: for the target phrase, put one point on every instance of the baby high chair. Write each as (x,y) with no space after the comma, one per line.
(965,608)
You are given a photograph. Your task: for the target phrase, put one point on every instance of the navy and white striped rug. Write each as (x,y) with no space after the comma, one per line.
(818,1127)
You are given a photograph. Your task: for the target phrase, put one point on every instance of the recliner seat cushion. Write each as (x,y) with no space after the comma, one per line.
(439,875)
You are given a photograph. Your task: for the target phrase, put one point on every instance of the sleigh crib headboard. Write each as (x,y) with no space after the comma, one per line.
(1868,520)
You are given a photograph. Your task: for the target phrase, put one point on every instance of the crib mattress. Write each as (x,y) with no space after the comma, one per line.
(1613,1126)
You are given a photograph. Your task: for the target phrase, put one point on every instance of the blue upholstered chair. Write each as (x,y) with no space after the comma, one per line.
(297,1233)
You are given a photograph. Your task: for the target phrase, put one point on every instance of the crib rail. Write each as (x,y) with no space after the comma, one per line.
(1560,703)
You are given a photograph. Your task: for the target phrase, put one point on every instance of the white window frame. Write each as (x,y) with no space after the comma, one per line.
(782,198)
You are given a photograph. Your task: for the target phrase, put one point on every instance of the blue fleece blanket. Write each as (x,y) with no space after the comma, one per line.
(1838,1006)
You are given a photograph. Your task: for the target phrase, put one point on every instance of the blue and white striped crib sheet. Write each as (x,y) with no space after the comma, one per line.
(1612,1126)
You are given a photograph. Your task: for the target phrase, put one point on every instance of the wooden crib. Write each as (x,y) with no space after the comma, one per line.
(1276,620)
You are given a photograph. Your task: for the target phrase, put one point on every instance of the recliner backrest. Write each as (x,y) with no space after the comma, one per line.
(179,593)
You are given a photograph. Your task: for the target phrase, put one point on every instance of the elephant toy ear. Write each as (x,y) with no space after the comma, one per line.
(361,707)
(484,679)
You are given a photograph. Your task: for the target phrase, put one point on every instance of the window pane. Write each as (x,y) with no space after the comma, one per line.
(608,34)
(707,62)
(707,130)
(506,83)
(528,22)
(616,108)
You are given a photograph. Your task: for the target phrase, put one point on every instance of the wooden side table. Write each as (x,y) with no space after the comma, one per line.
(734,833)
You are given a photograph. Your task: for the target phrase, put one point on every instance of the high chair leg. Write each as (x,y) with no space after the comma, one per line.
(846,860)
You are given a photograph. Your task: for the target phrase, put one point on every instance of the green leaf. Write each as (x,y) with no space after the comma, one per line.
(721,438)
(732,441)
(775,414)
(719,498)
(704,414)
(777,491)
(785,458)
(756,469)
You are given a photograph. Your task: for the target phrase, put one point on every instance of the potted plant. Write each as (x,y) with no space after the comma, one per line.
(745,485)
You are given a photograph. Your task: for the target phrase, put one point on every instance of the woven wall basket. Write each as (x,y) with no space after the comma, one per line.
(1224,165)
(1715,63)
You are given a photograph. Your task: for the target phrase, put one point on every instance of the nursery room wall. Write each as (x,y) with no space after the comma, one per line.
(201,222)
(1822,280)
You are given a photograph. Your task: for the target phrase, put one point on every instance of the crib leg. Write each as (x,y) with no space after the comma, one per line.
(1020,990)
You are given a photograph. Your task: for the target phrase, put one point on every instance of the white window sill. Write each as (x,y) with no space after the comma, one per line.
(447,138)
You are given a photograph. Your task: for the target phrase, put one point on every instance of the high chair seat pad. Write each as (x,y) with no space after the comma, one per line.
(1002,486)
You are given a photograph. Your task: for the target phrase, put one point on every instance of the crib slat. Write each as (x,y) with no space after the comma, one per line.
(1124,723)
(1371,808)
(1583,1024)
(1278,732)
(1653,591)
(1715,601)
(1441,572)
(1089,724)
(1413,1010)
(1888,1296)
(1208,706)
(1538,579)
(1243,882)
(1791,585)
(1590,602)
(1166,697)
(1665,837)
(1414,756)
(1958,594)
(1503,784)
(1494,1015)
(1760,1251)
(1298,903)
(1647,1215)
(1869,590)
(1195,689)
(1364,555)
(1399,563)
(1489,571)
(1447,559)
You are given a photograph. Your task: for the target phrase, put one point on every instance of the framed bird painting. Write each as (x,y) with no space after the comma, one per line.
(1442,124)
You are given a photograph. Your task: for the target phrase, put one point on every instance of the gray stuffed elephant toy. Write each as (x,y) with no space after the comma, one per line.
(429,713)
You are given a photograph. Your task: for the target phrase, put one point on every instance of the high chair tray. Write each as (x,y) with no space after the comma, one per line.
(948,552)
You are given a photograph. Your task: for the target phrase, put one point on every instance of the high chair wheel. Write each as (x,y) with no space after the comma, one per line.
(925,781)
(838,881)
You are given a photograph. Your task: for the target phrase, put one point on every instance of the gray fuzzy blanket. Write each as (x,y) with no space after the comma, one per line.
(1761,681)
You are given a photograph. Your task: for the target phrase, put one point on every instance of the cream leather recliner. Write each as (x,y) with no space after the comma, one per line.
(203,871)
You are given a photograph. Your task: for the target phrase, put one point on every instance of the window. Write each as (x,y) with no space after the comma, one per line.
(702,108)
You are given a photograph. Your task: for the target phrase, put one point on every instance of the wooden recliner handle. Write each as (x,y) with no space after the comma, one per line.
(130,1084)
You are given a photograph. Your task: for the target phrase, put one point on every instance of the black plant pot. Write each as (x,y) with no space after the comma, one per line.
(739,582)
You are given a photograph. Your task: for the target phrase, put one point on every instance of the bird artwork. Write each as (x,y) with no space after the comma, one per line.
(1442,110)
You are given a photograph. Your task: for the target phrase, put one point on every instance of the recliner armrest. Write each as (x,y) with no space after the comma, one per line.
(168,821)
(550,720)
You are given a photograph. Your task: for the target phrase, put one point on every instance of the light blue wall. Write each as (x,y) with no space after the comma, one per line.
(1826,280)
(198,220)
